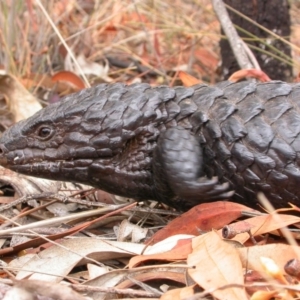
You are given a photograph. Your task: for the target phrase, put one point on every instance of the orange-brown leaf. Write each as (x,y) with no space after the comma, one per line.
(187,79)
(180,252)
(45,81)
(69,77)
(178,294)
(215,263)
(203,217)
(155,274)
(207,58)
(252,73)
(265,224)
(280,253)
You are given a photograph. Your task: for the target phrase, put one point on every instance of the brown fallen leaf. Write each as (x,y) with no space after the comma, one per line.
(266,295)
(266,223)
(21,103)
(252,73)
(127,231)
(45,81)
(59,260)
(215,264)
(126,278)
(155,274)
(280,253)
(203,217)
(187,79)
(207,58)
(178,294)
(180,252)
(69,77)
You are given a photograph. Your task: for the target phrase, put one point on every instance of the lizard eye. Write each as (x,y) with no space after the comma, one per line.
(45,132)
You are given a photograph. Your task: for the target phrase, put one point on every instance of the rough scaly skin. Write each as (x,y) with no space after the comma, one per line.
(167,143)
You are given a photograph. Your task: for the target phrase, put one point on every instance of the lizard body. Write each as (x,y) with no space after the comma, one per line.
(181,146)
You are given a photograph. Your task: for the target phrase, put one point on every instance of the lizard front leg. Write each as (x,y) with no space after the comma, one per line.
(177,168)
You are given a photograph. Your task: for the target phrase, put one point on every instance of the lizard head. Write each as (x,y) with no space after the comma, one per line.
(98,136)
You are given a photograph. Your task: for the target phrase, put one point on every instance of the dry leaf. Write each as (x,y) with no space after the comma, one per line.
(122,278)
(22,104)
(264,295)
(59,261)
(252,73)
(70,78)
(266,223)
(167,244)
(128,231)
(88,67)
(214,264)
(180,252)
(96,271)
(203,217)
(177,294)
(187,79)
(45,81)
(280,253)
(207,58)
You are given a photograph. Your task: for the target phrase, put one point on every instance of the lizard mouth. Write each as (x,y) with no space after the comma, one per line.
(18,161)
(73,169)
(33,158)
(65,170)
(58,163)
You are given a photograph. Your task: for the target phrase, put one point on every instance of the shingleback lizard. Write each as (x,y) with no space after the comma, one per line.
(181,146)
